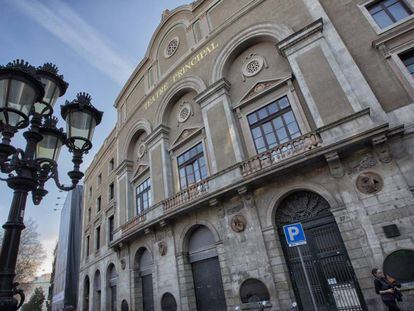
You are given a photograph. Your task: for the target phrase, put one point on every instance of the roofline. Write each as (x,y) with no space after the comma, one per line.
(166,16)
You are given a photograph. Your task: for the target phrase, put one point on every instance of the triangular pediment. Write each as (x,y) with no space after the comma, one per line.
(185,135)
(141,169)
(261,88)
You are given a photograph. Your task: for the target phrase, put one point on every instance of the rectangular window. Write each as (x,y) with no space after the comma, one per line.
(111,228)
(111,165)
(98,237)
(192,166)
(99,179)
(89,214)
(388,12)
(150,77)
(408,60)
(111,191)
(98,204)
(90,192)
(273,124)
(143,196)
(87,246)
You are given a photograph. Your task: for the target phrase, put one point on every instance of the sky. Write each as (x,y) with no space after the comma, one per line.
(96,45)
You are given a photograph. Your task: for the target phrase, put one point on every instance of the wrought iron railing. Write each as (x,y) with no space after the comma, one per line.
(280,153)
(187,195)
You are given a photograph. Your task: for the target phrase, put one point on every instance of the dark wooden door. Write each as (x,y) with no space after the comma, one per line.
(333,281)
(147,293)
(208,285)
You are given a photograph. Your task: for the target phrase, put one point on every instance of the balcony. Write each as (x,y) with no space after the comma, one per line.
(280,153)
(187,195)
(134,223)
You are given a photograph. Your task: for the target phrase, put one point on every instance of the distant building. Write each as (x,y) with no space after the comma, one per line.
(65,282)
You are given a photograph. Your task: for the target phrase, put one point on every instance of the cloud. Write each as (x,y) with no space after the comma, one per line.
(69,27)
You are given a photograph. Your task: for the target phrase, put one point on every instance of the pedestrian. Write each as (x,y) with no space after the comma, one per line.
(388,290)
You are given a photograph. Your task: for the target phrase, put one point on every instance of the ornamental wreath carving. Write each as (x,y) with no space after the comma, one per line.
(238,223)
(184,112)
(162,248)
(369,182)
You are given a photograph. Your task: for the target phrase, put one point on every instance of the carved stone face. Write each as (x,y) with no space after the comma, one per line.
(369,182)
(162,248)
(238,223)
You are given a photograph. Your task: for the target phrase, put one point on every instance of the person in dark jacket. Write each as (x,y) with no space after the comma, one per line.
(387,290)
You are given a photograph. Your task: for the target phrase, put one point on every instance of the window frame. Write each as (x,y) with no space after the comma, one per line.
(111,228)
(98,204)
(97,238)
(111,192)
(141,195)
(179,166)
(269,118)
(111,165)
(99,179)
(365,11)
(87,245)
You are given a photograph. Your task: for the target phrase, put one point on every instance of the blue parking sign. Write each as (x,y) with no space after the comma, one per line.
(294,234)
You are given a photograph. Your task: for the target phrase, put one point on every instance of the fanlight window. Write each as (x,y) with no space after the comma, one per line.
(171,47)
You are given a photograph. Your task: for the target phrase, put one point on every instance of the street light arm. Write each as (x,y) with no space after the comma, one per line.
(75,175)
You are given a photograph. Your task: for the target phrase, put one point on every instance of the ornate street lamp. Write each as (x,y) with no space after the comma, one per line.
(27,96)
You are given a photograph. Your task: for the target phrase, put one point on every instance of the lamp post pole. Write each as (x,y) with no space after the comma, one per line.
(29,93)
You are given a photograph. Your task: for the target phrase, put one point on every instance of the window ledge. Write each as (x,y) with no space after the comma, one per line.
(381,31)
(394,32)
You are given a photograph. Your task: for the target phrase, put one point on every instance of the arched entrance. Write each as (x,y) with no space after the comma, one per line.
(111,288)
(168,302)
(86,289)
(144,295)
(333,281)
(97,291)
(203,257)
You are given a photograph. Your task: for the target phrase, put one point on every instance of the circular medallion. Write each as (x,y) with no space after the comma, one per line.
(369,182)
(171,47)
(184,113)
(238,223)
(253,65)
(141,150)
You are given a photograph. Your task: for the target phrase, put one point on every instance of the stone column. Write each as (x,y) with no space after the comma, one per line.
(125,202)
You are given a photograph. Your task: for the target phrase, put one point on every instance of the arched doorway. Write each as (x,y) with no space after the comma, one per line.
(86,289)
(111,288)
(205,266)
(97,291)
(333,281)
(168,302)
(144,295)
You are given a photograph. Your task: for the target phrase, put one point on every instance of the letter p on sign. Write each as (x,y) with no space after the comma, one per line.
(294,234)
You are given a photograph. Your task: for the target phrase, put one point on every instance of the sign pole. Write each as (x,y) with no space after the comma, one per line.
(315,306)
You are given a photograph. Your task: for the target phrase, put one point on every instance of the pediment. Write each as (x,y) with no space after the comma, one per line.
(141,169)
(261,88)
(185,135)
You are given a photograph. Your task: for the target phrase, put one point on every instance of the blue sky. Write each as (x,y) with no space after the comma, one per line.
(96,44)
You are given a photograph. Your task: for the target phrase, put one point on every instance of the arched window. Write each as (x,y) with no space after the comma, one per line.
(253,290)
(144,295)
(86,289)
(111,288)
(97,291)
(168,302)
(205,266)
(400,265)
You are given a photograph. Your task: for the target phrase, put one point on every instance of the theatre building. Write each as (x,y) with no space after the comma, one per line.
(242,117)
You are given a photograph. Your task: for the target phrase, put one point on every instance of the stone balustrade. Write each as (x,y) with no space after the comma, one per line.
(290,149)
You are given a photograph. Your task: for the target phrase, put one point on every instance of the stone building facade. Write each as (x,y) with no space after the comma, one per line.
(245,116)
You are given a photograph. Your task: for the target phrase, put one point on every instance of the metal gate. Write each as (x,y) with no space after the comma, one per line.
(333,281)
(208,286)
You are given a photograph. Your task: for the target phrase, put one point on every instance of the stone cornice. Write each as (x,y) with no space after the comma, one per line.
(217,88)
(302,34)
